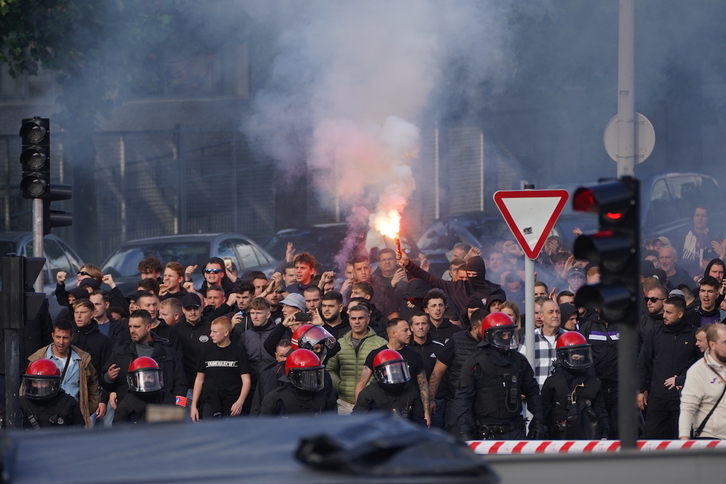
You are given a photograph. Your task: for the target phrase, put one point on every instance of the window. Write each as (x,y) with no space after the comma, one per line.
(246,254)
(225,249)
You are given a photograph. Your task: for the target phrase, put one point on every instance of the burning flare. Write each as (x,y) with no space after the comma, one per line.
(387,223)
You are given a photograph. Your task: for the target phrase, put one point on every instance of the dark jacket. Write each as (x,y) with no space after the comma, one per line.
(288,400)
(192,338)
(482,398)
(90,339)
(443,332)
(268,381)
(668,350)
(132,409)
(172,370)
(604,341)
(458,291)
(60,411)
(253,340)
(555,404)
(647,323)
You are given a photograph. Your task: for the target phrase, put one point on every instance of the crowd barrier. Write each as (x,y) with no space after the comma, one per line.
(583,446)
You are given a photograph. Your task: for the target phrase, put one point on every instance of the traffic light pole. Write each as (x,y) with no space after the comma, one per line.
(38,238)
(627,388)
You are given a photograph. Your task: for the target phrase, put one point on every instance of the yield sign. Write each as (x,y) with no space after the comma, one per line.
(531,215)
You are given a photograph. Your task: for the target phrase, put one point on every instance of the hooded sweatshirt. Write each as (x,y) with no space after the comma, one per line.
(461,291)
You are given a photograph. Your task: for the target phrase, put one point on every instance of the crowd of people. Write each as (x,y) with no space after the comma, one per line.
(444,350)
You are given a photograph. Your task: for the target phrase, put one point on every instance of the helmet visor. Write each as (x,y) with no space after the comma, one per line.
(504,337)
(316,336)
(145,380)
(392,372)
(39,386)
(575,357)
(308,379)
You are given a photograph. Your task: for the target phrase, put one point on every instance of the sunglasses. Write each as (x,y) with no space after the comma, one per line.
(212,271)
(653,299)
(83,273)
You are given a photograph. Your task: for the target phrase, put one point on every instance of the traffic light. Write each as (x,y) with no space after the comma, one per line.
(35,157)
(56,218)
(19,274)
(614,249)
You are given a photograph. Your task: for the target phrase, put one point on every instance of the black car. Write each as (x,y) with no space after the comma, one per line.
(326,241)
(481,229)
(191,249)
(58,257)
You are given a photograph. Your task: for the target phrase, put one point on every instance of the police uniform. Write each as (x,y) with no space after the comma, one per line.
(488,403)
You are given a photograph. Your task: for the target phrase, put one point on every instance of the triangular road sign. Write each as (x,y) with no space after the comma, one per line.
(531,215)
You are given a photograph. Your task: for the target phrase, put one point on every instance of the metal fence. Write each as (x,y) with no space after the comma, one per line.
(151,183)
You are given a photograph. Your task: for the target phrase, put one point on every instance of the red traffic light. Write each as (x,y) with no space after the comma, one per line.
(584,201)
(612,200)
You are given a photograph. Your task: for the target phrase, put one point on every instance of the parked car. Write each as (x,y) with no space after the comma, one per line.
(58,257)
(479,229)
(325,241)
(191,249)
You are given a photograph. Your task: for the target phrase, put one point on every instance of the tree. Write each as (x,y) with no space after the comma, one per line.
(72,38)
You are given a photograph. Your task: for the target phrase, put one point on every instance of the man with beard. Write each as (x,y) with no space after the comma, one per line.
(704,389)
(654,300)
(331,310)
(459,291)
(449,361)
(143,343)
(668,351)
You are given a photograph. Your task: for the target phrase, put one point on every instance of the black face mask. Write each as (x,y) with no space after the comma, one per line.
(394,388)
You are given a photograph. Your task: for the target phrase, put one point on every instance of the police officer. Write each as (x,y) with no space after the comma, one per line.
(572,403)
(306,394)
(392,389)
(488,403)
(43,402)
(144,379)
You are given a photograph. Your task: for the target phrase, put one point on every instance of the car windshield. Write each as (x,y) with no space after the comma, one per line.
(323,242)
(125,261)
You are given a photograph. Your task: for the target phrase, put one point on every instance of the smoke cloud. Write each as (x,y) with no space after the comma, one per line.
(351,82)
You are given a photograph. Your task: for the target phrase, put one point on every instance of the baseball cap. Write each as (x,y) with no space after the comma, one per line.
(191,300)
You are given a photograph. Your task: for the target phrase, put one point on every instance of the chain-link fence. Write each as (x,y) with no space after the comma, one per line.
(153,183)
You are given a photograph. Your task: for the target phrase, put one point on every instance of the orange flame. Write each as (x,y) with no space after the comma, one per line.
(388,224)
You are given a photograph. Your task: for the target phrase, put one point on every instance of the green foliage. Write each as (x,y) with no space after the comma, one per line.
(72,38)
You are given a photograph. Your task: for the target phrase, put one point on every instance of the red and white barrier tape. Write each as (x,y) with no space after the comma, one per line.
(583,446)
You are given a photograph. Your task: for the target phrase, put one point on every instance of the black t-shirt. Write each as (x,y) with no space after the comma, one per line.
(222,368)
(446,354)
(413,359)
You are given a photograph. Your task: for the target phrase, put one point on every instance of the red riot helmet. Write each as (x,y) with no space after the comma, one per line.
(42,380)
(305,371)
(391,370)
(314,338)
(144,375)
(573,351)
(500,331)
